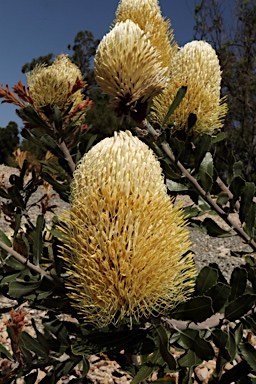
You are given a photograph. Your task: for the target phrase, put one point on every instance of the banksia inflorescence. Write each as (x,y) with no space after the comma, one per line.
(58,84)
(126,247)
(128,67)
(196,66)
(147,14)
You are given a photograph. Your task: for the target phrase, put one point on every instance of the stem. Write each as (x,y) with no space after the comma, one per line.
(208,198)
(24,261)
(68,157)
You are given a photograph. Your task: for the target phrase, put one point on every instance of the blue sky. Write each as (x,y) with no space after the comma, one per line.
(32,28)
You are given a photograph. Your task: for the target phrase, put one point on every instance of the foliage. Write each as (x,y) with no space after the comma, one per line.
(217,323)
(231,29)
(9,141)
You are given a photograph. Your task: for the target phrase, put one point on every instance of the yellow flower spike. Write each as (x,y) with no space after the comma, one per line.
(147,14)
(128,67)
(51,85)
(196,66)
(126,244)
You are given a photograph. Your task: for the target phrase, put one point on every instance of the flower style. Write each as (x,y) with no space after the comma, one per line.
(58,84)
(147,14)
(196,66)
(126,247)
(128,67)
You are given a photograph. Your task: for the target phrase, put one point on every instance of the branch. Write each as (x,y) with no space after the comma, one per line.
(24,261)
(68,157)
(208,198)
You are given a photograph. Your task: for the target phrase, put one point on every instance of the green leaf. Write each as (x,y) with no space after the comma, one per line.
(90,142)
(175,187)
(249,354)
(49,143)
(236,188)
(251,323)
(222,198)
(190,339)
(202,144)
(5,239)
(38,239)
(196,309)
(189,359)
(5,352)
(61,188)
(206,279)
(17,289)
(31,378)
(246,200)
(33,345)
(219,137)
(15,196)
(213,229)
(147,368)
(100,342)
(219,294)
(240,306)
(29,114)
(3,193)
(237,168)
(162,342)
(250,221)
(238,283)
(57,118)
(192,119)
(178,98)
(238,333)
(220,339)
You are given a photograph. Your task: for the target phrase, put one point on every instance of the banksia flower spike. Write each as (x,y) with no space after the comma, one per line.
(126,247)
(196,66)
(128,67)
(147,14)
(58,84)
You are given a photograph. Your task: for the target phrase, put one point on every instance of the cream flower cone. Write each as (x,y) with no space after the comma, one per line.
(49,86)
(126,247)
(196,66)
(147,14)
(128,67)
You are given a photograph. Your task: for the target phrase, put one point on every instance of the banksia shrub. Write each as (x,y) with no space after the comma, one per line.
(128,67)
(147,14)
(126,248)
(53,85)
(196,66)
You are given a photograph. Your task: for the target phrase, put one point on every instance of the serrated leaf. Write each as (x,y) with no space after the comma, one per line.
(197,309)
(249,354)
(238,333)
(219,294)
(178,98)
(175,187)
(206,279)
(246,200)
(237,168)
(236,188)
(240,306)
(147,368)
(238,283)
(162,342)
(189,359)
(222,198)
(15,196)
(251,323)
(17,289)
(49,143)
(220,339)
(213,229)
